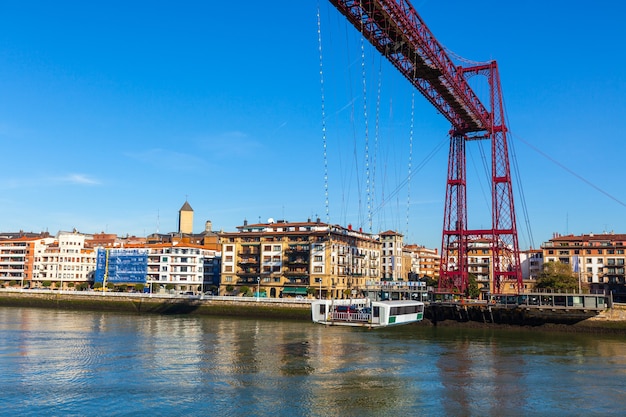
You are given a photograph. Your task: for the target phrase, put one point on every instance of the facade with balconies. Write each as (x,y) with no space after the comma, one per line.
(597,259)
(283,259)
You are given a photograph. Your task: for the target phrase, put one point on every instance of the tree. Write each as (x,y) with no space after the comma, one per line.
(139,287)
(430,281)
(244,290)
(557,276)
(472,287)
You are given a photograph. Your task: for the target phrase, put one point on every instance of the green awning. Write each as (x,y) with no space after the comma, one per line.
(295,290)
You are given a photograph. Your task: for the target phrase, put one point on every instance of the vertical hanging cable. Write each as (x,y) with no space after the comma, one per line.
(376,132)
(319,39)
(408,185)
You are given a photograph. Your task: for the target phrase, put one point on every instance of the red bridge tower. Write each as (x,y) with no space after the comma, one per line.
(395,29)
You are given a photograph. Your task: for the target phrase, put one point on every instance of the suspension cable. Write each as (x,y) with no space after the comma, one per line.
(408,186)
(324,140)
(376,134)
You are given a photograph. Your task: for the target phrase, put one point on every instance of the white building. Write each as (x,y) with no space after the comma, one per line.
(63,261)
(180,267)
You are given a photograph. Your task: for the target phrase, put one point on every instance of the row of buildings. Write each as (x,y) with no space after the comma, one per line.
(277,259)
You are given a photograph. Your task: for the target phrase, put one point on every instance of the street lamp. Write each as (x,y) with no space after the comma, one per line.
(258,283)
(320,280)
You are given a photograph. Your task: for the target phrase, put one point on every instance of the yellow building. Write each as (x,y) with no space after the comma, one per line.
(424,261)
(185,219)
(284,259)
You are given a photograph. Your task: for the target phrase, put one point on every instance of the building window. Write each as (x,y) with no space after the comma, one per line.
(277,248)
(228,248)
(317,269)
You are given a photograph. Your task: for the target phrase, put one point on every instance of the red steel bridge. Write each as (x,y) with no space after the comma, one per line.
(395,29)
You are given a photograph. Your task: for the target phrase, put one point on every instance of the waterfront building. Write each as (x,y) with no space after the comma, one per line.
(281,258)
(17,258)
(424,261)
(391,256)
(182,267)
(121,266)
(64,263)
(531,261)
(597,259)
(178,267)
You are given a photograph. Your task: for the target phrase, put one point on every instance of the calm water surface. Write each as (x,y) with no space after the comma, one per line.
(90,364)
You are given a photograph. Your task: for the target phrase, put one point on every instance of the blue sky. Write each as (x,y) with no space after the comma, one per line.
(112,114)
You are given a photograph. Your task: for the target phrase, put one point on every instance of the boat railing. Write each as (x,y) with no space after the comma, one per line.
(356,316)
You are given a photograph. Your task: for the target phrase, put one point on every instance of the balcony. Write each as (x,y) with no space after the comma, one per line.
(297,271)
(248,252)
(248,261)
(297,261)
(294,249)
(249,272)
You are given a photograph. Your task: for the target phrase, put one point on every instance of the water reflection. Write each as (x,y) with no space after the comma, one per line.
(117,364)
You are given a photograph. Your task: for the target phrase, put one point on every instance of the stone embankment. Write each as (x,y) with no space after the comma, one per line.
(157,304)
(611,320)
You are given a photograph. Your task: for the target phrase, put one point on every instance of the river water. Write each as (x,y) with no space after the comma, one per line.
(68,363)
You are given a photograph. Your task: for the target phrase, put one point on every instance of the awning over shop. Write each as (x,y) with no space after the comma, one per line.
(295,291)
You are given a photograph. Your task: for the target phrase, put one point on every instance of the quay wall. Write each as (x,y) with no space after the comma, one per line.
(158,305)
(609,320)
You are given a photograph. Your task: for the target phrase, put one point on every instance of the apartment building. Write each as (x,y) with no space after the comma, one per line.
(281,258)
(182,267)
(64,262)
(17,259)
(424,261)
(531,261)
(597,259)
(392,267)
